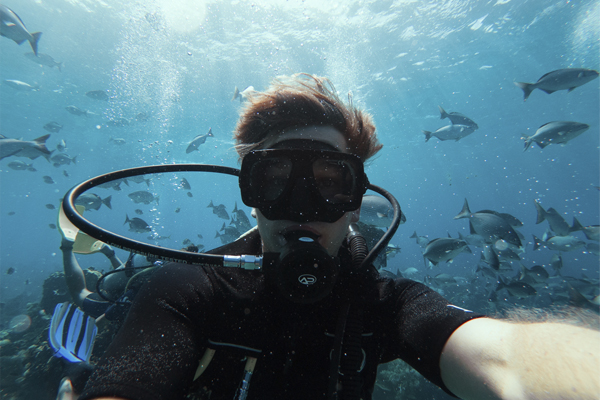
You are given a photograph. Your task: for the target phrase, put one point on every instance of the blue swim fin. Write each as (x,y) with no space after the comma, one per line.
(72,333)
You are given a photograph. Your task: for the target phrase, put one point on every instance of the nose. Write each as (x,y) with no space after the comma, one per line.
(302,202)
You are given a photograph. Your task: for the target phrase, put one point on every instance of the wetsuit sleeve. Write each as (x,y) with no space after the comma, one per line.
(423,322)
(156,352)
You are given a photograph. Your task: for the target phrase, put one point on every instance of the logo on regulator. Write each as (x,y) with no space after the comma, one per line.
(307,279)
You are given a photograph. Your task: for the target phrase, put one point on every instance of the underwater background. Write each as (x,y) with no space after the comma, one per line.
(170,68)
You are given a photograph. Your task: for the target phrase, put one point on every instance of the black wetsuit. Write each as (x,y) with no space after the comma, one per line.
(185,309)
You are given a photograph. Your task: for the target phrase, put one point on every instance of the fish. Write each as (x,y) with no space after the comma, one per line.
(78,111)
(444,280)
(557,223)
(591,232)
(558,243)
(142,196)
(22,148)
(62,145)
(10,271)
(118,141)
(579,300)
(138,179)
(52,226)
(556,132)
(138,211)
(11,213)
(444,249)
(13,28)
(241,220)
(91,201)
(457,118)
(593,248)
(52,126)
(65,173)
(158,237)
(114,184)
(184,184)
(556,262)
(118,122)
(535,275)
(44,59)
(377,211)
(219,210)
(97,95)
(450,132)
(19,165)
(137,225)
(489,256)
(177,210)
(189,194)
(243,95)
(48,179)
(141,117)
(197,141)
(561,79)
(422,241)
(62,159)
(21,86)
(519,289)
(50,206)
(490,226)
(200,236)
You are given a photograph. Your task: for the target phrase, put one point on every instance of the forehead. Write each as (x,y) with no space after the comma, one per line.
(324,134)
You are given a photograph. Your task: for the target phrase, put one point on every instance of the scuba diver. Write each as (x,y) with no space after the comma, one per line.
(316,320)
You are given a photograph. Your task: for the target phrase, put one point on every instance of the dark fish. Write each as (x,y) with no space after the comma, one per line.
(557,132)
(115,184)
(10,271)
(50,206)
(490,226)
(219,210)
(12,27)
(490,257)
(19,165)
(561,79)
(518,289)
(65,173)
(77,111)
(118,141)
(11,213)
(444,249)
(591,232)
(444,280)
(536,274)
(241,220)
(53,126)
(377,211)
(48,179)
(52,226)
(138,179)
(138,211)
(141,117)
(44,59)
(92,201)
(186,242)
(450,132)
(579,300)
(62,159)
(177,210)
(137,225)
(557,223)
(97,95)
(556,262)
(189,194)
(198,140)
(185,184)
(457,118)
(22,86)
(141,196)
(31,149)
(200,236)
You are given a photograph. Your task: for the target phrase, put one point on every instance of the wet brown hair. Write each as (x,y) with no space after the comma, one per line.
(303,100)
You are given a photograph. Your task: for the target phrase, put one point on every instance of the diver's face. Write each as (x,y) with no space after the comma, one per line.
(331,234)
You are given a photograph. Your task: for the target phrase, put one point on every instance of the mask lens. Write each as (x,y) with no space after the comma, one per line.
(270,177)
(335,180)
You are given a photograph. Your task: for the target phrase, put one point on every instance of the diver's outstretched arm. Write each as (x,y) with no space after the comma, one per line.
(110,254)
(488,358)
(73,274)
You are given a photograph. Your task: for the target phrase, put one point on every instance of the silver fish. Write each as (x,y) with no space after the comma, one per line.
(12,27)
(444,249)
(21,86)
(198,140)
(422,241)
(561,79)
(62,159)
(31,149)
(558,243)
(450,132)
(53,127)
(377,211)
(591,232)
(243,95)
(44,59)
(457,118)
(19,165)
(556,132)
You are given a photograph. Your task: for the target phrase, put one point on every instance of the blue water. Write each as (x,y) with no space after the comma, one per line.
(179,64)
